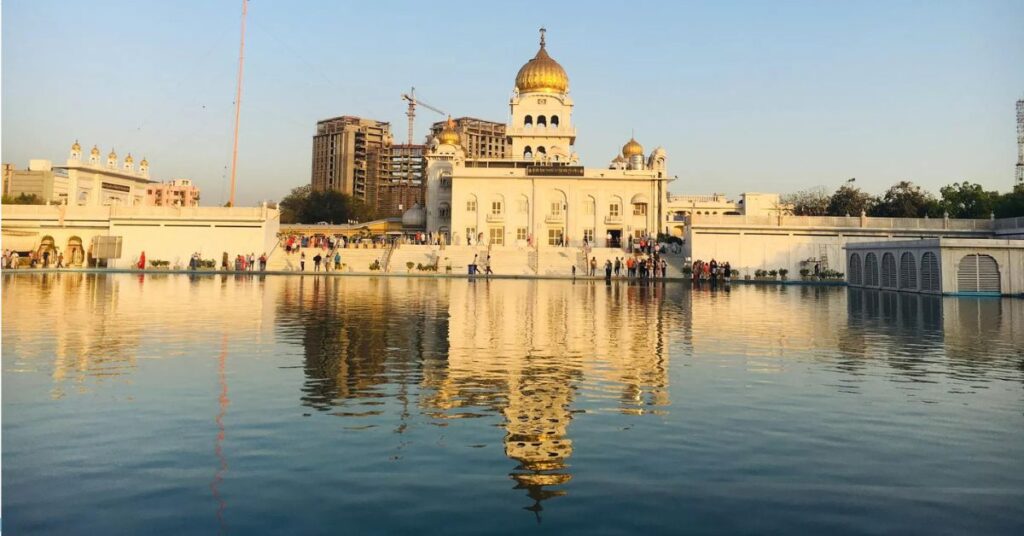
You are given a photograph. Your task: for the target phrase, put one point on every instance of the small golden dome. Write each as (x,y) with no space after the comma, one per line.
(112,155)
(95,151)
(632,148)
(448,134)
(542,73)
(76,146)
(128,159)
(144,162)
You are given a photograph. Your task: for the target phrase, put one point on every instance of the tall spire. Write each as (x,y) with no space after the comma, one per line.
(542,31)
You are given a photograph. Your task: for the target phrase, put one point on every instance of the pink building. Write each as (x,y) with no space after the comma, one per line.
(175,193)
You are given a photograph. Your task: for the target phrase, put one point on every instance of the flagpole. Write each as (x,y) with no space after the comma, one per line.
(238,106)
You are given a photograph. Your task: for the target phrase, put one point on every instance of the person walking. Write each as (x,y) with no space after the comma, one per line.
(60,260)
(607,270)
(618,266)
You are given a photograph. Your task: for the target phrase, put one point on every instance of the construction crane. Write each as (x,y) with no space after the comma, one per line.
(410,97)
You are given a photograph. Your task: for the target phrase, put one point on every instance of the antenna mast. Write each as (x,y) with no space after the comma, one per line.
(1020,142)
(238,106)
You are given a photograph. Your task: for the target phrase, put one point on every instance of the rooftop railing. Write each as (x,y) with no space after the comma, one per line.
(865,222)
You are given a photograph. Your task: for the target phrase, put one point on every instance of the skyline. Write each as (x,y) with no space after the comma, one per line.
(771,101)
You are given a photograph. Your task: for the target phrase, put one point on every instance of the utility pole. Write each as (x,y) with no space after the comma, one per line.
(238,106)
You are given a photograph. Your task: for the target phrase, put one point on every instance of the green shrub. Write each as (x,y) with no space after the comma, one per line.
(409,265)
(783,272)
(773,273)
(374,266)
(804,272)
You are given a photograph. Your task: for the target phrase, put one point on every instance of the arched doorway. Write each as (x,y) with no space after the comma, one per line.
(871,270)
(854,269)
(978,274)
(888,271)
(908,271)
(929,272)
(75,253)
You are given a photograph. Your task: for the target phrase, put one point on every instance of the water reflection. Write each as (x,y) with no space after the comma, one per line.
(522,362)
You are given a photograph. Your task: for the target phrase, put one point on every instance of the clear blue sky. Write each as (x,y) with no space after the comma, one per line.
(744,96)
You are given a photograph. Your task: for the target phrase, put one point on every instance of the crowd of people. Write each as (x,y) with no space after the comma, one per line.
(711,271)
(641,267)
(44,258)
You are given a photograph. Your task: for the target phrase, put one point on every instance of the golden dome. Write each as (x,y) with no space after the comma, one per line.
(448,134)
(632,148)
(76,146)
(542,73)
(128,159)
(112,155)
(144,162)
(95,151)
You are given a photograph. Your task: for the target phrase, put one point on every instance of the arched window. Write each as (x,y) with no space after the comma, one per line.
(554,121)
(929,272)
(871,270)
(908,271)
(444,210)
(978,274)
(528,121)
(541,121)
(854,270)
(540,150)
(888,270)
(527,153)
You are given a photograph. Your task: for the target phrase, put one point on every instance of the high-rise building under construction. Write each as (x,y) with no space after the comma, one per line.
(479,138)
(350,155)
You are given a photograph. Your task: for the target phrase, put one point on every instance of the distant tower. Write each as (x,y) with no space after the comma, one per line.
(94,156)
(144,167)
(112,160)
(76,151)
(1020,142)
(129,163)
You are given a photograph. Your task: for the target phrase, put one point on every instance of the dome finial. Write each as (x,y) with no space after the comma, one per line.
(542,31)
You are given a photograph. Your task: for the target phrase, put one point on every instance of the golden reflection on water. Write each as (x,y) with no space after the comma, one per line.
(533,353)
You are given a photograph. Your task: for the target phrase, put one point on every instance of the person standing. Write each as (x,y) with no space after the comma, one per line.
(337,260)
(263,262)
(302,261)
(607,270)
(316,262)
(593,266)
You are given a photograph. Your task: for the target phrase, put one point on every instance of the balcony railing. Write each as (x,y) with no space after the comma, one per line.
(492,218)
(613,219)
(554,218)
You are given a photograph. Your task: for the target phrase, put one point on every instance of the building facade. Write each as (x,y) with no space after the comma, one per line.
(478,137)
(350,155)
(402,186)
(173,193)
(537,193)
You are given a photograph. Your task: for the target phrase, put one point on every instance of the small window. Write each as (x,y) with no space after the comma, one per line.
(497,235)
(588,207)
(556,208)
(613,209)
(555,237)
(496,207)
(588,235)
(640,209)
(471,233)
(471,205)
(521,233)
(524,206)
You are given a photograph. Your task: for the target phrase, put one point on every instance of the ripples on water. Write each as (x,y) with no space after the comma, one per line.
(168,404)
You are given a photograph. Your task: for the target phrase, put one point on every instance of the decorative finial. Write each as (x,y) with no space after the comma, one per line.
(542,30)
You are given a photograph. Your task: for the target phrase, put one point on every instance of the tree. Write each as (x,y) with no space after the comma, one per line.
(849,201)
(906,200)
(294,204)
(1010,204)
(810,202)
(967,200)
(303,205)
(22,199)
